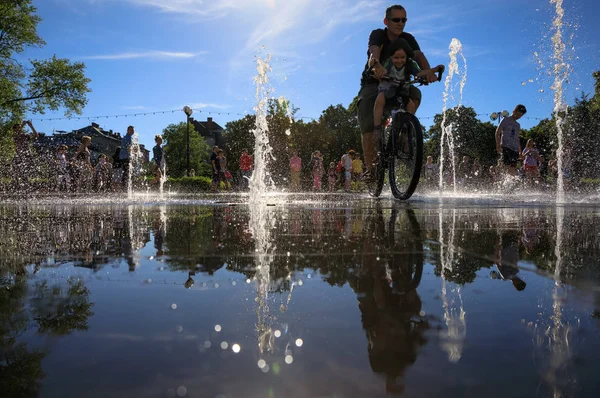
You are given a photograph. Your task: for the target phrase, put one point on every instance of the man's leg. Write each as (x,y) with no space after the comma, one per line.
(367,96)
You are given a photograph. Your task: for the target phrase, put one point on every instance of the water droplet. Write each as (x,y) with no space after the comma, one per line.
(236,348)
(179,328)
(181,391)
(277,333)
(218,328)
(261,363)
(289,359)
(224,345)
(299,342)
(174,306)
(207,344)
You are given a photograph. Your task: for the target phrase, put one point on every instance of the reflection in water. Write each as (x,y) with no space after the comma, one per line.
(379,253)
(386,286)
(553,336)
(454,313)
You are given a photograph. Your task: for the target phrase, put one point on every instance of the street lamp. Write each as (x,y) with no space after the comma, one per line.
(188,112)
(499,115)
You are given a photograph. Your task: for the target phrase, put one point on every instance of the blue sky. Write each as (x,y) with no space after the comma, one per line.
(155,55)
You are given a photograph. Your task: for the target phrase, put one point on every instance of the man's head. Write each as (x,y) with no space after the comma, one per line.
(395,19)
(519,111)
(215,149)
(158,139)
(351,152)
(130,130)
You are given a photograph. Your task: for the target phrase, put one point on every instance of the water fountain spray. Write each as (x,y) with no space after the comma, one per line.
(447,136)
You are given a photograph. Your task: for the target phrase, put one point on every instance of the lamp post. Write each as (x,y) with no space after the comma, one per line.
(188,112)
(499,115)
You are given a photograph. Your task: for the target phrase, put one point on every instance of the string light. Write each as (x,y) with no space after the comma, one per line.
(90,118)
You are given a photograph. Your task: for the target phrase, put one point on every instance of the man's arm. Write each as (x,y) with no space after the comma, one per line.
(424,65)
(498,135)
(375,54)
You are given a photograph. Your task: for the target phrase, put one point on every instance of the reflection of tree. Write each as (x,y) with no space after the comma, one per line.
(59,312)
(20,369)
(386,286)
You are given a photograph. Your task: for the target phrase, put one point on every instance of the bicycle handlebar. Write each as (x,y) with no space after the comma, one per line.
(420,80)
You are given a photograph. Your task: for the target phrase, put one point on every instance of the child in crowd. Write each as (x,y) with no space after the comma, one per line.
(317,170)
(102,174)
(159,159)
(62,166)
(331,176)
(224,173)
(530,164)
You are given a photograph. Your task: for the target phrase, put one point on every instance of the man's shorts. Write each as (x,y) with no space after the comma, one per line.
(509,157)
(366,102)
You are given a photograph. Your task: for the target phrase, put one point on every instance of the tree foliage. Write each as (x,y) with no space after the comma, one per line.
(46,84)
(334,133)
(175,138)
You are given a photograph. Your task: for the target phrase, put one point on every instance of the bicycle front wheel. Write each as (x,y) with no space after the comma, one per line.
(406,155)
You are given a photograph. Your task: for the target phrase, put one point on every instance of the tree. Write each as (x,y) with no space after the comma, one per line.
(471,136)
(46,84)
(175,137)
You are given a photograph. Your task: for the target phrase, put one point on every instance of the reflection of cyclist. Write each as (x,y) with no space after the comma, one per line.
(388,300)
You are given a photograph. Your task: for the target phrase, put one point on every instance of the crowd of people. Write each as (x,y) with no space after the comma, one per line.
(74,170)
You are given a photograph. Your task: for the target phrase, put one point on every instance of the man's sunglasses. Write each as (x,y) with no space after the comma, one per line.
(396,20)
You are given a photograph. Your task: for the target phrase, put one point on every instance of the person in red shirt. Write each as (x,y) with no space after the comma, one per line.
(295,169)
(246,166)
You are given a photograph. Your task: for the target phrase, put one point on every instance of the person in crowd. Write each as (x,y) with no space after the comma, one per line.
(83,164)
(430,171)
(295,169)
(508,144)
(158,164)
(531,161)
(224,174)
(216,168)
(331,176)
(317,170)
(117,175)
(102,174)
(377,53)
(246,166)
(62,169)
(357,170)
(125,154)
(347,165)
(22,162)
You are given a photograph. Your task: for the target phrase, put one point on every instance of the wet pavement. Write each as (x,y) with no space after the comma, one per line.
(320,296)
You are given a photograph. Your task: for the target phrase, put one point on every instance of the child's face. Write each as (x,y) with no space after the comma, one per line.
(399,58)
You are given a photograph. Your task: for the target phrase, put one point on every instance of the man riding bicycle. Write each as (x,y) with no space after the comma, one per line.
(380,41)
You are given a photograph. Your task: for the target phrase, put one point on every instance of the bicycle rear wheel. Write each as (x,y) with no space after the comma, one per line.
(406,155)
(375,183)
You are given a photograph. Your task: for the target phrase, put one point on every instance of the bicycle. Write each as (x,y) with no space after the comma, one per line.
(400,147)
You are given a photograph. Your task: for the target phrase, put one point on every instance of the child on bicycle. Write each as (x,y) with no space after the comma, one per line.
(401,66)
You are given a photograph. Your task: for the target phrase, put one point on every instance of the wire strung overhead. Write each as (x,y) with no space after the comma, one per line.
(138,114)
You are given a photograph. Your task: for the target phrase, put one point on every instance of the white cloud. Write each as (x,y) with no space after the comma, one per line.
(145,54)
